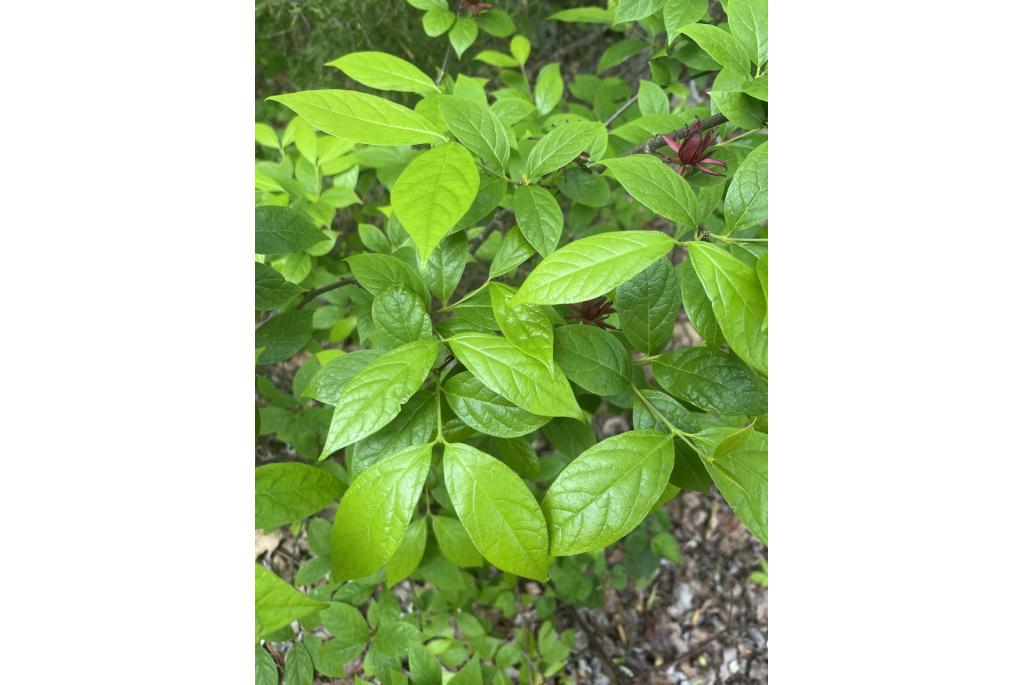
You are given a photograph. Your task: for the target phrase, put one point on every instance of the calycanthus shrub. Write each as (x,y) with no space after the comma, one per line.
(463,271)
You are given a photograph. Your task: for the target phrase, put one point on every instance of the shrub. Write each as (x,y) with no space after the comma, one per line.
(453,292)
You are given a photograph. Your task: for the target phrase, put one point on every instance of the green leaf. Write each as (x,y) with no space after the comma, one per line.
(647,305)
(549,88)
(477,128)
(738,463)
(728,97)
(433,193)
(679,13)
(619,52)
(757,87)
(559,147)
(514,250)
(720,44)
(378,272)
(400,317)
(409,554)
(668,407)
(283,230)
(454,542)
(327,384)
(284,335)
(497,59)
(512,110)
(584,15)
(286,493)
(463,34)
(498,510)
(278,603)
(349,630)
(267,136)
(384,72)
(635,10)
(522,379)
(593,359)
(711,380)
(436,21)
(298,666)
(585,187)
(359,117)
(526,326)
(374,513)
(373,238)
(492,192)
(698,306)
(607,491)
(748,21)
(497,23)
(486,411)
(539,217)
(414,425)
(657,187)
(266,668)
(519,46)
(423,666)
(738,301)
(592,266)
(443,269)
(746,201)
(374,396)
(470,674)
(272,290)
(652,99)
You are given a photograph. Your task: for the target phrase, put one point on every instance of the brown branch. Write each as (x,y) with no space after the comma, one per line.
(649,145)
(313,294)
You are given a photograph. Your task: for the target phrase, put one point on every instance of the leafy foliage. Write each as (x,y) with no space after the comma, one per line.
(462,269)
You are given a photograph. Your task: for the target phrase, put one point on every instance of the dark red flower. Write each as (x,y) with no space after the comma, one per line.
(691,152)
(475,6)
(593,311)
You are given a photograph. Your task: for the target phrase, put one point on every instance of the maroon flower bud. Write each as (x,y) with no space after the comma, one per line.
(691,152)
(592,312)
(475,6)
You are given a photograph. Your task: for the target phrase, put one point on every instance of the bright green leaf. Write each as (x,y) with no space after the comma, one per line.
(278,603)
(737,300)
(592,266)
(593,359)
(607,491)
(433,193)
(520,378)
(498,511)
(375,512)
(360,117)
(746,201)
(657,187)
(713,381)
(647,305)
(477,128)
(374,396)
(283,230)
(539,217)
(484,410)
(384,72)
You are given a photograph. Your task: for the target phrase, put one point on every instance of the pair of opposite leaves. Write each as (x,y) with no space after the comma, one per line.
(598,498)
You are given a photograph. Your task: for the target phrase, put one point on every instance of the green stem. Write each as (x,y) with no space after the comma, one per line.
(730,239)
(440,427)
(449,307)
(742,135)
(682,435)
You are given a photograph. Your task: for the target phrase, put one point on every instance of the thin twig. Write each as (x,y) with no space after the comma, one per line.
(601,653)
(622,109)
(444,65)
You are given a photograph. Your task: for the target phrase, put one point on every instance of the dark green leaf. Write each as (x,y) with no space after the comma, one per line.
(283,230)
(593,359)
(286,493)
(648,305)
